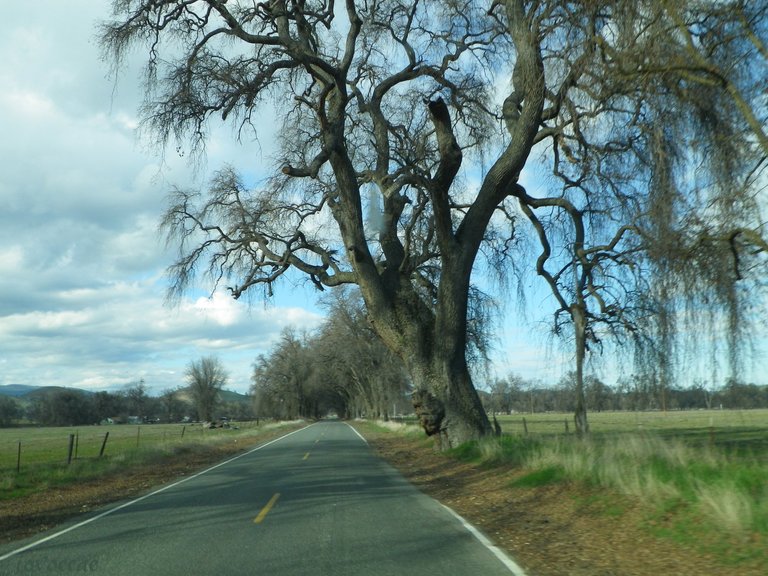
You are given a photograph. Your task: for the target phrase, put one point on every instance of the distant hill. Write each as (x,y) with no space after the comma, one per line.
(26,391)
(45,390)
(232,396)
(224,395)
(16,390)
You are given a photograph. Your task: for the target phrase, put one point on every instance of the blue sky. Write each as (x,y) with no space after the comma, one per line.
(81,264)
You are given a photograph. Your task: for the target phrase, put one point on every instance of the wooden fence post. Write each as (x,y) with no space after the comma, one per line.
(18,459)
(71,448)
(567,431)
(103,444)
(525,426)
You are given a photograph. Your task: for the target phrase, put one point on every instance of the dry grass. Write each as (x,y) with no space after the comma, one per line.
(726,490)
(398,427)
(728,506)
(722,486)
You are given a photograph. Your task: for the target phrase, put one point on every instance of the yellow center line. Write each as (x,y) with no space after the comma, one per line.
(266,509)
(306,456)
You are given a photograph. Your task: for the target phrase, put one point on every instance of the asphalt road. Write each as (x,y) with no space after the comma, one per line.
(314,502)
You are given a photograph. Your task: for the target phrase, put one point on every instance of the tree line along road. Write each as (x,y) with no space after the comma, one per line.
(315,501)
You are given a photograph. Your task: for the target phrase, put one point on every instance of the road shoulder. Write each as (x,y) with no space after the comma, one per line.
(550,530)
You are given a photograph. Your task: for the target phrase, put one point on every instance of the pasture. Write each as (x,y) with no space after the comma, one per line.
(32,459)
(731,429)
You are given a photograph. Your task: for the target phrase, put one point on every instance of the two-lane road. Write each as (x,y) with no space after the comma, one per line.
(316,501)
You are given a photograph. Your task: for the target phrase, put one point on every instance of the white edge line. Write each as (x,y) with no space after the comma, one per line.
(353,430)
(131,502)
(513,566)
(510,564)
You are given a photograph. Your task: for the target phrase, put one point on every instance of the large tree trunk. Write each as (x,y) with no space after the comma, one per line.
(447,404)
(431,343)
(445,398)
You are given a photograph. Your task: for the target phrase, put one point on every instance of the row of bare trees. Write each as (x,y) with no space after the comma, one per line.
(343,369)
(636,392)
(408,130)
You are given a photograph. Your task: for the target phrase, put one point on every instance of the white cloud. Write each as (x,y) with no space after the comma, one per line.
(11,259)
(27,106)
(223,311)
(107,337)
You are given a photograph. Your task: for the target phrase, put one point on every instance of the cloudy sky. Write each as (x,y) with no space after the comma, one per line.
(81,264)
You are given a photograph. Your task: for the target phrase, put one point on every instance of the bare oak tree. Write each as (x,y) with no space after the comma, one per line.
(283,379)
(342,368)
(380,104)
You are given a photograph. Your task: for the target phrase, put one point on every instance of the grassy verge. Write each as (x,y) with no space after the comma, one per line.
(700,479)
(703,495)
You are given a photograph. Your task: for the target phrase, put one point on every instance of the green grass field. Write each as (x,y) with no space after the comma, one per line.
(45,451)
(51,445)
(735,429)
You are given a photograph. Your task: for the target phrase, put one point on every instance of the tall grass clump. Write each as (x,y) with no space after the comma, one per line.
(727,488)
(493,450)
(727,505)
(730,491)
